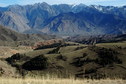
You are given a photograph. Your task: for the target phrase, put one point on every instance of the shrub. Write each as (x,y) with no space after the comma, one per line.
(106,56)
(37,63)
(90,71)
(16,58)
(61,57)
(54,51)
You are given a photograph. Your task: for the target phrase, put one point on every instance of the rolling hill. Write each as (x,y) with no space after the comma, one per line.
(74,60)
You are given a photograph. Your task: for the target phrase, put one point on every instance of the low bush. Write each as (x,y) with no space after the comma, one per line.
(37,63)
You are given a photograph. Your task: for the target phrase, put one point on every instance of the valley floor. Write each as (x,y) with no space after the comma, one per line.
(59,81)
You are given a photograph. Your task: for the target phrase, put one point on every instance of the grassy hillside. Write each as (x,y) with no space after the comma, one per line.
(12,38)
(79,61)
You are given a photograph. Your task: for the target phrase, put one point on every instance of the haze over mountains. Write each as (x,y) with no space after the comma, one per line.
(64,19)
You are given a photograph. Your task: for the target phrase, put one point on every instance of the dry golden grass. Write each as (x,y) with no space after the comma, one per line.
(58,81)
(6,51)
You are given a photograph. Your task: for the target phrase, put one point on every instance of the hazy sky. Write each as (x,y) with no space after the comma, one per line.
(87,2)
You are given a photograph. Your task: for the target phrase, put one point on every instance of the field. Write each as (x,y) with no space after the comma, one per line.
(59,81)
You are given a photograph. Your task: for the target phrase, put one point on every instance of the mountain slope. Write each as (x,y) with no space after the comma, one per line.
(23,18)
(14,21)
(85,23)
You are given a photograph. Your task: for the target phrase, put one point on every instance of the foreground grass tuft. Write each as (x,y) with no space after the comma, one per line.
(59,81)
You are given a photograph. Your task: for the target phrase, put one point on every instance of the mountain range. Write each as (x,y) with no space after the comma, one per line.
(64,19)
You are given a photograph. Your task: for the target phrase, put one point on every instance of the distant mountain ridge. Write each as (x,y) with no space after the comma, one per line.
(65,19)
